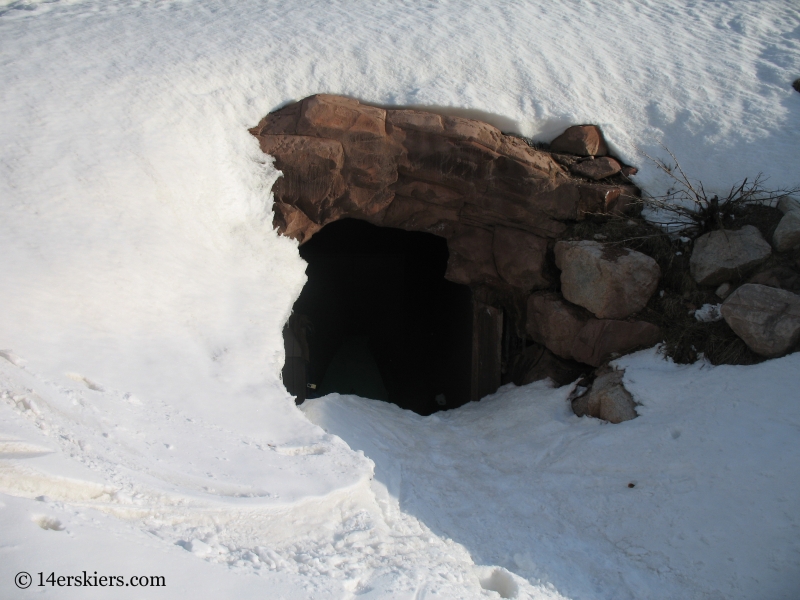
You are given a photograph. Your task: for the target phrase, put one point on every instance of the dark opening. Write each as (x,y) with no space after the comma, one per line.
(378,319)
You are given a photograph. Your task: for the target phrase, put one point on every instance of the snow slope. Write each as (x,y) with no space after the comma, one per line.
(143,290)
(523,483)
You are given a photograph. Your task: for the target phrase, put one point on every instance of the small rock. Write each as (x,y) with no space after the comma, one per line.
(787,204)
(600,168)
(787,234)
(583,140)
(766,318)
(607,399)
(796,85)
(629,171)
(724,254)
(723,291)
(611,282)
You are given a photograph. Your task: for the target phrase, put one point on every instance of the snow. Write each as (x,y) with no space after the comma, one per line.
(708,313)
(143,426)
(523,483)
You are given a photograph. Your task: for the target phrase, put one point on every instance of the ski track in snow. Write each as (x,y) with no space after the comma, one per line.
(144,292)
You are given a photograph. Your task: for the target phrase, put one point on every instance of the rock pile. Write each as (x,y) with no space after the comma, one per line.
(765,316)
(505,209)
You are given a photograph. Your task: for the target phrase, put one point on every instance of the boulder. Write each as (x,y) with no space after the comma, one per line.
(607,399)
(583,140)
(554,323)
(766,318)
(603,339)
(787,203)
(520,258)
(599,168)
(572,333)
(724,255)
(787,234)
(610,281)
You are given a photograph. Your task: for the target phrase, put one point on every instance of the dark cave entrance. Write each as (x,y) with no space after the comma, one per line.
(378,319)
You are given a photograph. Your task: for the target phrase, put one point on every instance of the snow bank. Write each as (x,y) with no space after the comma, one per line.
(143,290)
(696,498)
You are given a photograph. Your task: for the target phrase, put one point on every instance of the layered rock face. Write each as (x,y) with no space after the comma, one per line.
(499,202)
(503,207)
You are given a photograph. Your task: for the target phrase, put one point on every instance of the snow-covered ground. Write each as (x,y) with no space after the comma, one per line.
(143,426)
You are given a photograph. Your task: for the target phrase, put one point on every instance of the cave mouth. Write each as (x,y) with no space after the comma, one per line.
(378,319)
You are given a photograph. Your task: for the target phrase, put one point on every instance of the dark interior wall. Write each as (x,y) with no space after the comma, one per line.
(385,288)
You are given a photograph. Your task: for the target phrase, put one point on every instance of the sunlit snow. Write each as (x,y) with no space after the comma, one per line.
(143,425)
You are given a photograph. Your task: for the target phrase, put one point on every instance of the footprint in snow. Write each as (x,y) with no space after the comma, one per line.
(86,381)
(12,358)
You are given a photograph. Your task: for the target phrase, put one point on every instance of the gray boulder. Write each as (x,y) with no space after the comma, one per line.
(723,255)
(607,399)
(787,204)
(766,318)
(611,282)
(787,234)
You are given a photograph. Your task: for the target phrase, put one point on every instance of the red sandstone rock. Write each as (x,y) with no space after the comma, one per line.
(583,140)
(554,323)
(520,258)
(471,258)
(602,339)
(416,215)
(341,158)
(571,332)
(312,173)
(599,168)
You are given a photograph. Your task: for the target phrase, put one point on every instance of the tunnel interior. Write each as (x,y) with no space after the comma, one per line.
(378,319)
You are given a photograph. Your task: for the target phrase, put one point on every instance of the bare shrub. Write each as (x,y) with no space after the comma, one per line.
(688,209)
